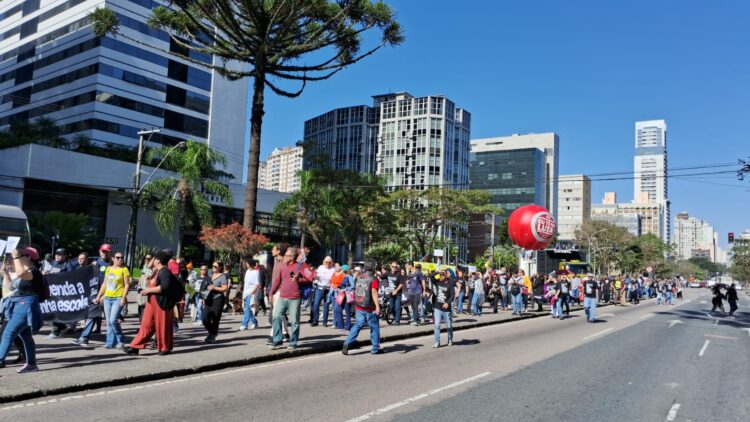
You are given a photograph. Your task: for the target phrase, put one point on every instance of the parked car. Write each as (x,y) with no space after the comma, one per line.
(695,284)
(702,284)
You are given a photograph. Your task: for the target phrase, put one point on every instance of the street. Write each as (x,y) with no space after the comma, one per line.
(645,362)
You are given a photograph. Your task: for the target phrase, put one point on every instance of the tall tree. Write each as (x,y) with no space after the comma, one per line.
(274,41)
(741,260)
(71,231)
(182,203)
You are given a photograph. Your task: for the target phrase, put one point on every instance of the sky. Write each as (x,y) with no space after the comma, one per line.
(586,70)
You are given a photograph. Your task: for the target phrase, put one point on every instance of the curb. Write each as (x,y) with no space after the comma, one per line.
(318,348)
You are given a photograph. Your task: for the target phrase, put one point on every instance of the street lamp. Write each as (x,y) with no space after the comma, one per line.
(588,241)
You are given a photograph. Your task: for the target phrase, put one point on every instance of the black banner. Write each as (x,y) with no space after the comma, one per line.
(70,294)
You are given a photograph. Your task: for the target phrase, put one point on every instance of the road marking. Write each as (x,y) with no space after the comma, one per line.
(703,302)
(672,412)
(598,334)
(672,385)
(748,330)
(716,322)
(647,316)
(703,349)
(417,397)
(674,322)
(721,337)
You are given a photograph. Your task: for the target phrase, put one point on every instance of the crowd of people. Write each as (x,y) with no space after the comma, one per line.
(171,290)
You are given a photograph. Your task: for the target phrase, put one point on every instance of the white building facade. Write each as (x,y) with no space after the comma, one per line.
(694,237)
(574,196)
(650,167)
(281,172)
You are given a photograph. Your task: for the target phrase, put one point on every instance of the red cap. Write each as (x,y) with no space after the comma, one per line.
(106,247)
(30,252)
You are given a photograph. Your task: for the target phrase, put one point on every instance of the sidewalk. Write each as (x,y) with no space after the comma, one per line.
(66,368)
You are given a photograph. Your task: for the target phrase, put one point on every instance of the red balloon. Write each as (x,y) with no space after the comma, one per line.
(532,227)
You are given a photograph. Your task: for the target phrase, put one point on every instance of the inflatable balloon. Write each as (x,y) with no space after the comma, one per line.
(532,227)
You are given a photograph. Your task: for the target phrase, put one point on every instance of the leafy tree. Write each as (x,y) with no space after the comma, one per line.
(707,266)
(688,268)
(182,203)
(73,231)
(273,41)
(40,131)
(232,241)
(384,253)
(503,256)
(740,269)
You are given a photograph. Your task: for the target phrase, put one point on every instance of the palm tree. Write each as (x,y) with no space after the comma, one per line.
(182,203)
(71,231)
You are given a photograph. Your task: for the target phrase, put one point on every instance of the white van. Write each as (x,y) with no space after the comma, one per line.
(13,222)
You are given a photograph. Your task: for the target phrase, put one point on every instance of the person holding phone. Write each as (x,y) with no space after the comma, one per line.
(287,282)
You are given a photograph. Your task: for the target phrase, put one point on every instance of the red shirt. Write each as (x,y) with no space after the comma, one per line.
(283,282)
(373,285)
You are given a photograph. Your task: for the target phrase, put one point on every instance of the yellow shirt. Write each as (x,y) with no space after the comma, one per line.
(527,283)
(115,281)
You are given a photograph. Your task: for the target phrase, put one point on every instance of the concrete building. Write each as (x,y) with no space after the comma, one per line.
(650,167)
(281,170)
(574,196)
(612,214)
(517,169)
(694,237)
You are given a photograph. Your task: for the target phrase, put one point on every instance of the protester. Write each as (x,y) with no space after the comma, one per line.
(526,288)
(250,286)
(277,252)
(444,290)
(347,286)
(537,289)
(494,293)
(200,284)
(322,291)
(591,297)
(367,308)
(336,280)
(287,282)
(159,312)
(60,264)
(81,261)
(146,271)
(718,298)
(213,305)
(395,285)
(10,285)
(502,279)
(732,299)
(265,283)
(515,285)
(477,300)
(113,295)
(563,297)
(414,279)
(94,311)
(24,313)
(461,286)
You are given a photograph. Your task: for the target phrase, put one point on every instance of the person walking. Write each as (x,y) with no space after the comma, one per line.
(163,293)
(322,289)
(515,289)
(60,264)
(395,287)
(250,287)
(444,289)
(113,295)
(213,305)
(718,299)
(537,290)
(732,299)
(287,282)
(146,272)
(503,278)
(277,252)
(367,308)
(590,297)
(477,300)
(94,310)
(563,297)
(414,281)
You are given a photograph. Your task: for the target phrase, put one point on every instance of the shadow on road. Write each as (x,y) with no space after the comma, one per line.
(402,348)
(467,342)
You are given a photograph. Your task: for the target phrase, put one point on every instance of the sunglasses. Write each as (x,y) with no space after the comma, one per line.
(118,257)
(214,266)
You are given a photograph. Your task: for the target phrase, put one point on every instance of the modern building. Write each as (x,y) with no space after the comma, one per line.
(694,237)
(281,170)
(650,167)
(100,92)
(262,174)
(574,206)
(517,170)
(610,212)
(344,139)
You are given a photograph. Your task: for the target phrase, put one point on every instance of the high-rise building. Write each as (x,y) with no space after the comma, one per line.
(517,170)
(574,196)
(282,169)
(694,237)
(262,175)
(650,166)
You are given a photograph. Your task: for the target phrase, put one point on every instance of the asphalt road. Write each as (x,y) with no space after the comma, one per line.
(638,364)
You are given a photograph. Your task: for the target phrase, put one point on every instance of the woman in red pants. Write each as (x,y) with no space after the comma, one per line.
(158,314)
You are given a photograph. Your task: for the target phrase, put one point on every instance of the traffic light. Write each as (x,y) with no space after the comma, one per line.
(731,237)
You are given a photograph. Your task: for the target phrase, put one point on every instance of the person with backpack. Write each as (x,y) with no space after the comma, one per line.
(563,297)
(164,292)
(114,292)
(590,297)
(23,312)
(367,308)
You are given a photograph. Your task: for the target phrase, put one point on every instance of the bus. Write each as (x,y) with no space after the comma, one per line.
(13,222)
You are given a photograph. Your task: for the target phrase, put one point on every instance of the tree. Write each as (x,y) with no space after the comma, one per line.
(503,256)
(182,203)
(232,241)
(384,253)
(40,131)
(273,41)
(72,231)
(740,269)
(707,266)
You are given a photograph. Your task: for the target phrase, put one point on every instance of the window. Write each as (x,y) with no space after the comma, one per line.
(389,110)
(421,106)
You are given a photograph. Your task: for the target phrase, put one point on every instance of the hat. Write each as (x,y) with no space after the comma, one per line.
(32,253)
(358,269)
(344,267)
(106,247)
(61,251)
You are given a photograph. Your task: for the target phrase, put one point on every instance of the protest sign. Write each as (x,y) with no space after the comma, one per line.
(71,292)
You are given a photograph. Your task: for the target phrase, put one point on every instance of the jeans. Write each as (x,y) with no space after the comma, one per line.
(396,308)
(517,303)
(112,315)
(366,318)
(199,308)
(476,303)
(281,308)
(589,303)
(88,328)
(669,297)
(460,304)
(18,326)
(444,315)
(504,297)
(562,300)
(417,313)
(321,295)
(248,316)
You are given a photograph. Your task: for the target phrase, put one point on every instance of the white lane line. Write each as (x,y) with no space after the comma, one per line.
(603,315)
(703,302)
(672,412)
(598,334)
(703,349)
(647,316)
(417,397)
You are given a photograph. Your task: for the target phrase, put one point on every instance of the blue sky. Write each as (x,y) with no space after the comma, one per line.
(586,70)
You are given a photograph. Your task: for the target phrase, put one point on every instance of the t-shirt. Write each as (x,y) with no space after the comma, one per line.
(414,283)
(102,265)
(503,280)
(30,287)
(443,293)
(324,276)
(114,279)
(562,287)
(252,280)
(589,288)
(220,281)
(336,279)
(478,286)
(394,280)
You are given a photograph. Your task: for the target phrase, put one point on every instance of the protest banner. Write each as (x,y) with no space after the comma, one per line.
(71,293)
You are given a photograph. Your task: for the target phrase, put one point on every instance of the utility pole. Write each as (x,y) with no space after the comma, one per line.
(492,242)
(130,241)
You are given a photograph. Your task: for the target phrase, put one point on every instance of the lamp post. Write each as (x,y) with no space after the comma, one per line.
(588,241)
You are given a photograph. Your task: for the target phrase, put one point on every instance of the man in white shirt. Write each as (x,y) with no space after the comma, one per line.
(251,286)
(323,287)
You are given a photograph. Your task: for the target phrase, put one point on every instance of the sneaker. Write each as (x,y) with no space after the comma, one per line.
(291,348)
(345,349)
(253,326)
(450,343)
(120,346)
(130,351)
(210,340)
(274,346)
(242,328)
(436,345)
(286,337)
(27,368)
(80,342)
(53,336)
(377,352)
(269,341)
